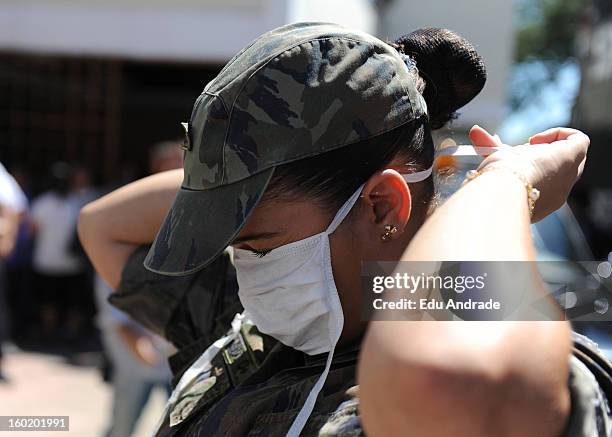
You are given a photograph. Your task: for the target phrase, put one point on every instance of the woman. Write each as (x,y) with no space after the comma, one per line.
(310,153)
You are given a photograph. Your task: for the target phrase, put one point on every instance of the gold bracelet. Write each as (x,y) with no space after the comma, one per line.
(533,194)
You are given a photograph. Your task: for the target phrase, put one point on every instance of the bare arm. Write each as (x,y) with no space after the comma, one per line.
(112,227)
(476,378)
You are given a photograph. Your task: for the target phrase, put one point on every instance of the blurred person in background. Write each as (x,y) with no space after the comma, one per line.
(138,363)
(81,187)
(12,205)
(137,356)
(61,276)
(165,155)
(83,310)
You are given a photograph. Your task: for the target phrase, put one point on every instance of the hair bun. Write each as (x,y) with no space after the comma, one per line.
(454,73)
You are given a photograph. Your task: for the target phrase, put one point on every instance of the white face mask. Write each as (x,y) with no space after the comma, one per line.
(290,294)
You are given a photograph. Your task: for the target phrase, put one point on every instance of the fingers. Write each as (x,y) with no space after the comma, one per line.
(572,142)
(580,143)
(481,138)
(553,134)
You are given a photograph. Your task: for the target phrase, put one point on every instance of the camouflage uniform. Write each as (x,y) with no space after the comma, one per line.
(260,384)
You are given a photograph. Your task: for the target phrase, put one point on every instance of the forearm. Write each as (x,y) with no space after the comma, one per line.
(465,378)
(111,227)
(449,378)
(486,220)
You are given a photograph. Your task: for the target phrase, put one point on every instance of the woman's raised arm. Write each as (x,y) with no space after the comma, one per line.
(478,378)
(112,227)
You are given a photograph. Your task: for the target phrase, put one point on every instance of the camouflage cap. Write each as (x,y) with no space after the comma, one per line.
(295,92)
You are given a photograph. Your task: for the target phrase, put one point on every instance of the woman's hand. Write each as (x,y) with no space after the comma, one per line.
(139,344)
(552,162)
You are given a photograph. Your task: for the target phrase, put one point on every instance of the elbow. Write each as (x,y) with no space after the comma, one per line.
(106,253)
(497,391)
(433,399)
(91,231)
(85,225)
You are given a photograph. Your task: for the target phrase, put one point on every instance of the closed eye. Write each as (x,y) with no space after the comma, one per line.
(261,253)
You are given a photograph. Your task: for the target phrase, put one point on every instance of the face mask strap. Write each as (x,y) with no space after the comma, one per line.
(344,210)
(468,150)
(463,150)
(300,421)
(417,176)
(412,178)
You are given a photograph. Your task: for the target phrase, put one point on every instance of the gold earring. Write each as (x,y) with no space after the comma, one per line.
(389,230)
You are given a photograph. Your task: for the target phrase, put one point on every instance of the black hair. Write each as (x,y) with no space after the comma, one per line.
(451,73)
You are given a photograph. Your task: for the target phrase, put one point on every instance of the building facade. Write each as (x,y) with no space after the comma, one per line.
(99,83)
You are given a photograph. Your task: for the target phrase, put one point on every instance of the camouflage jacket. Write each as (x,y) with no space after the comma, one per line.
(257,385)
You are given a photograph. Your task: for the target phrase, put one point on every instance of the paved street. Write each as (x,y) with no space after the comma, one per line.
(48,385)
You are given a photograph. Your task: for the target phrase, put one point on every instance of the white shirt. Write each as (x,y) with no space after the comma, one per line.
(56,220)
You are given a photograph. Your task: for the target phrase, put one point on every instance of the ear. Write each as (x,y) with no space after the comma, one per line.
(388,195)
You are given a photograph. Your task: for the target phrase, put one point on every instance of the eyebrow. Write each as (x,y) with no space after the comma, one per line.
(253,237)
